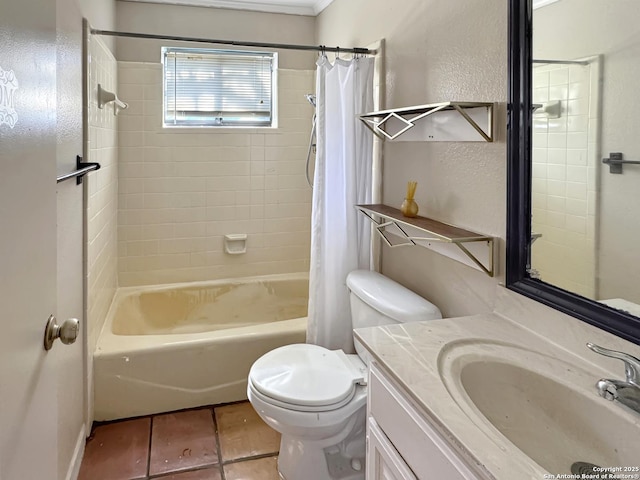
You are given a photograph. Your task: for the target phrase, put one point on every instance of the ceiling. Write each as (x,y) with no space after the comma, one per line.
(295,7)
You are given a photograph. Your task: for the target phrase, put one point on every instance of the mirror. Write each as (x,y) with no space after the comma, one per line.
(574,205)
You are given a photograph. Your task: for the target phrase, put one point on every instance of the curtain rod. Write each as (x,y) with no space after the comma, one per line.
(280,46)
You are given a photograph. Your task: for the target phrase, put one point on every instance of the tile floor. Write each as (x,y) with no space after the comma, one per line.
(227,442)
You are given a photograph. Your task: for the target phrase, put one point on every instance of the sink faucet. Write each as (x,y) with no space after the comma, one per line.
(627,392)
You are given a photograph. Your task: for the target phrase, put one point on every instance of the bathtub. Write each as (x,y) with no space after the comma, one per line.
(178,346)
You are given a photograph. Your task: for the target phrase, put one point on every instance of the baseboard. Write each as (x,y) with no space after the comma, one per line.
(78,453)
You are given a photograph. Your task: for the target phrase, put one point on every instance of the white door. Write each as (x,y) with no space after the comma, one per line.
(619,218)
(28,403)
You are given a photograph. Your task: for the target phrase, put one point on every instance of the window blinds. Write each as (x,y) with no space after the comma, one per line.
(218,88)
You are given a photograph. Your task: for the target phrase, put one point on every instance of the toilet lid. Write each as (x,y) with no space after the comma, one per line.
(307,375)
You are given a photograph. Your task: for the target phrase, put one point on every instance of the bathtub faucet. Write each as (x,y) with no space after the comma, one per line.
(627,391)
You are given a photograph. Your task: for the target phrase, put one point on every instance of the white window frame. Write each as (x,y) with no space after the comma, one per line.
(212,123)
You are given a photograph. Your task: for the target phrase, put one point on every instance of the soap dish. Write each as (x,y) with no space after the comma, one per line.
(235,243)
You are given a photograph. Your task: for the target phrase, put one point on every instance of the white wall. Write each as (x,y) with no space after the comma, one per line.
(101,15)
(619,250)
(69,358)
(182,190)
(438,51)
(222,24)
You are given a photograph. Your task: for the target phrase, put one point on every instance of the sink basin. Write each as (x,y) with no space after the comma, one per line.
(553,414)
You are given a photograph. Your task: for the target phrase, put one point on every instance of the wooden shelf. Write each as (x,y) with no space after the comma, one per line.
(466,121)
(385,216)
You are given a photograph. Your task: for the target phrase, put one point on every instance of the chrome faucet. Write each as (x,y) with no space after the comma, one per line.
(627,392)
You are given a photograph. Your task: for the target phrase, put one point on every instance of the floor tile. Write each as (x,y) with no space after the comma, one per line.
(117,451)
(261,469)
(242,432)
(182,440)
(206,474)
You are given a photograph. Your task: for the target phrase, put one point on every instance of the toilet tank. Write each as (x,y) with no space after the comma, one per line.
(378,300)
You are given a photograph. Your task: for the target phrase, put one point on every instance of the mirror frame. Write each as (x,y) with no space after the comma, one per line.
(519,153)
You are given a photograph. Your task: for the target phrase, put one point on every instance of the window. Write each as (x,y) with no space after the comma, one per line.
(218,88)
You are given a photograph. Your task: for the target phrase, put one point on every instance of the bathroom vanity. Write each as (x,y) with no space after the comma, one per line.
(394,425)
(485,397)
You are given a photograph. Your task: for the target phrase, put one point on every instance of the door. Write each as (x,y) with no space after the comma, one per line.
(619,217)
(28,403)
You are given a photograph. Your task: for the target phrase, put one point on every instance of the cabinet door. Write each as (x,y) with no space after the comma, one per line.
(428,453)
(383,461)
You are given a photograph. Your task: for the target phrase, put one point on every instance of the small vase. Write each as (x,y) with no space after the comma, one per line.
(409,208)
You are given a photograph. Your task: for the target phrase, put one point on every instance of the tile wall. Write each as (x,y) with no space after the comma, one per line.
(102,191)
(565,153)
(182,190)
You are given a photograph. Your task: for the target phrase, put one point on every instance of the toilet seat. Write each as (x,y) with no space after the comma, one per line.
(300,408)
(306,377)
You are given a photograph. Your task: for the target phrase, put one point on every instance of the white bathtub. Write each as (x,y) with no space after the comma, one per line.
(178,346)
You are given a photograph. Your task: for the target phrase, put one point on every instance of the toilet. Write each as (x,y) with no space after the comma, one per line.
(316,398)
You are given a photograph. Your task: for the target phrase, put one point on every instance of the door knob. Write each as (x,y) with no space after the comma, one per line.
(67,332)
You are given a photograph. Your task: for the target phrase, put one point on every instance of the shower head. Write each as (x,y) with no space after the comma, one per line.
(311,98)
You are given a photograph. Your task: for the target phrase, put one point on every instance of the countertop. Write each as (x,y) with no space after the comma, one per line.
(421,358)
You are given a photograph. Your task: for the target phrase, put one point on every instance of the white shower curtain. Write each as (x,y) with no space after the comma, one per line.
(340,236)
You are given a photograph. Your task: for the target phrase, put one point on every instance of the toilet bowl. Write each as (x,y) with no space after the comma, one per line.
(316,398)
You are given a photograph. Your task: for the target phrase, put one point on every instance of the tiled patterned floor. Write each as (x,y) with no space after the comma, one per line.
(228,442)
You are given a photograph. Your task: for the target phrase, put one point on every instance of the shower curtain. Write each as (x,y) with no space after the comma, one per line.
(340,236)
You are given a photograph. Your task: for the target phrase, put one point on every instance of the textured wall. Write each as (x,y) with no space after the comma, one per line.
(182,190)
(438,51)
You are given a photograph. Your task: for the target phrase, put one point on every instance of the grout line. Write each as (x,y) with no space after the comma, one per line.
(218,447)
(149,451)
(253,457)
(178,472)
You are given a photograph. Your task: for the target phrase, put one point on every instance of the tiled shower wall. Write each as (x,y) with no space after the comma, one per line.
(102,190)
(101,198)
(565,155)
(182,190)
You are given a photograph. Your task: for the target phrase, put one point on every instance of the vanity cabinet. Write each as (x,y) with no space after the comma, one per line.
(402,444)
